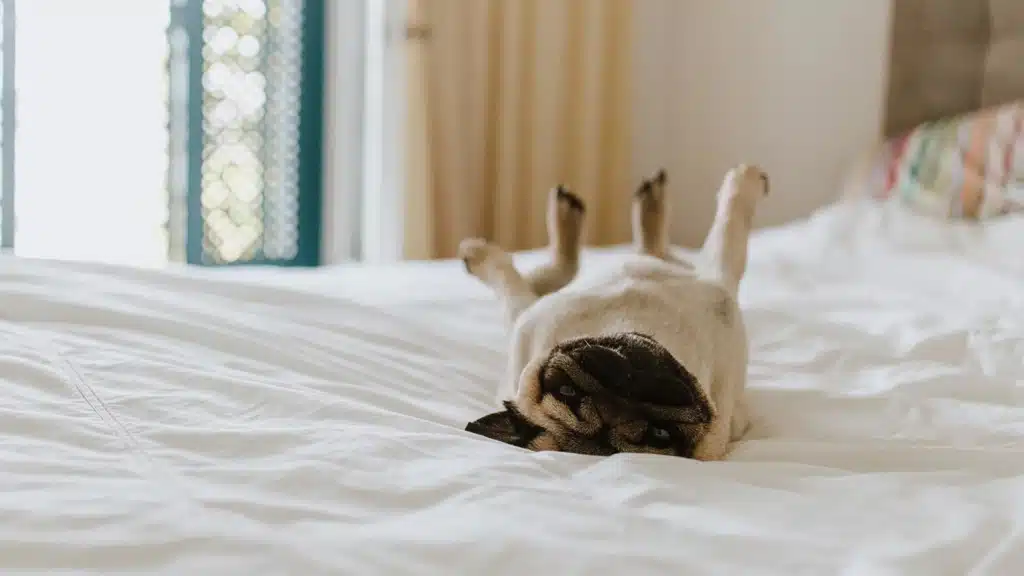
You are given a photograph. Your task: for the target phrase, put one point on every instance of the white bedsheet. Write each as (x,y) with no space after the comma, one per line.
(258,422)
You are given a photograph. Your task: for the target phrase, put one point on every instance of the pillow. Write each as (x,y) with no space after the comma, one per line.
(964,167)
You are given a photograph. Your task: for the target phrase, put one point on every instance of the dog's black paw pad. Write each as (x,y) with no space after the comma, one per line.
(574,201)
(646,189)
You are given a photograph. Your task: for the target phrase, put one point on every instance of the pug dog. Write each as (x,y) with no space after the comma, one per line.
(649,355)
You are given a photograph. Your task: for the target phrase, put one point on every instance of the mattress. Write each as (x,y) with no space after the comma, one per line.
(311,422)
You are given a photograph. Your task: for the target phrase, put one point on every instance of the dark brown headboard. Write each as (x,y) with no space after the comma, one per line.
(952,56)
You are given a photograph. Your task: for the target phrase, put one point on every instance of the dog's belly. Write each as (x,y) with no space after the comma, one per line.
(635,273)
(666,301)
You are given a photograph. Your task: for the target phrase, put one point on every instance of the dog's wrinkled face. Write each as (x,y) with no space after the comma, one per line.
(603,395)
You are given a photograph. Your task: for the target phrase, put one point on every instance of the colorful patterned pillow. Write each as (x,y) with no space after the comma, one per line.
(965,167)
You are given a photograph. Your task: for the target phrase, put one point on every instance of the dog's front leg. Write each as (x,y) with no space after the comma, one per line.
(565,215)
(650,213)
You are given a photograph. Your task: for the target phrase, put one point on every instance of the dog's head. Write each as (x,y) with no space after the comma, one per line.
(603,395)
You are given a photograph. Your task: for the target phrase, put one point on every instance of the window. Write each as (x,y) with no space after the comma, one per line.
(246,85)
(166,130)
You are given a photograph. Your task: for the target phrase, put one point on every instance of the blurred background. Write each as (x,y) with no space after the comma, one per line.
(312,132)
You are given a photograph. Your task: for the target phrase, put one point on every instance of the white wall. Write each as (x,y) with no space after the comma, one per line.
(794,85)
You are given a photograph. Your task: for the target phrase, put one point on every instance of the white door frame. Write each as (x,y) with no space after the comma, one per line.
(345,71)
(364,116)
(383,178)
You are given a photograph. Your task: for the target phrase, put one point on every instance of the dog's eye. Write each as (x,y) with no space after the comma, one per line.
(566,391)
(658,436)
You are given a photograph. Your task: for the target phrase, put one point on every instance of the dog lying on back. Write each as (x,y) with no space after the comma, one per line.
(650,356)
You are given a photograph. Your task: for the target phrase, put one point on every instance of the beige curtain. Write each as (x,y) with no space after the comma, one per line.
(508,98)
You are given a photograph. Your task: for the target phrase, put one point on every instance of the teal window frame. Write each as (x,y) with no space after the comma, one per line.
(187,22)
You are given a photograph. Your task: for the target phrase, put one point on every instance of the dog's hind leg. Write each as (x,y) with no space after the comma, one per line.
(565,213)
(725,248)
(494,267)
(650,217)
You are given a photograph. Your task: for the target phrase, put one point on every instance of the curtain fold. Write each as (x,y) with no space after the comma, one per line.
(508,98)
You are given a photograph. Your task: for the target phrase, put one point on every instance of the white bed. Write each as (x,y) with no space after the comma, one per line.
(311,422)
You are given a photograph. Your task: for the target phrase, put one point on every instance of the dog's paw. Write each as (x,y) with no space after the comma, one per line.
(650,195)
(481,258)
(566,202)
(565,210)
(473,253)
(746,183)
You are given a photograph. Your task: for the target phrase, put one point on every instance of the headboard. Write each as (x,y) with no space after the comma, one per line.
(952,56)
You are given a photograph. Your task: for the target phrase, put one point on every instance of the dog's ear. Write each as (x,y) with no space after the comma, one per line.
(661,177)
(508,426)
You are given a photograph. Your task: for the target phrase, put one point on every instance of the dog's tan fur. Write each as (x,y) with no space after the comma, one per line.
(652,317)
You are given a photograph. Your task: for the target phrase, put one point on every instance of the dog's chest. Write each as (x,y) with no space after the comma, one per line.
(641,295)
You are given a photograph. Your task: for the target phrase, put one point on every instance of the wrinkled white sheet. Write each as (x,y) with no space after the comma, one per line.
(281,422)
